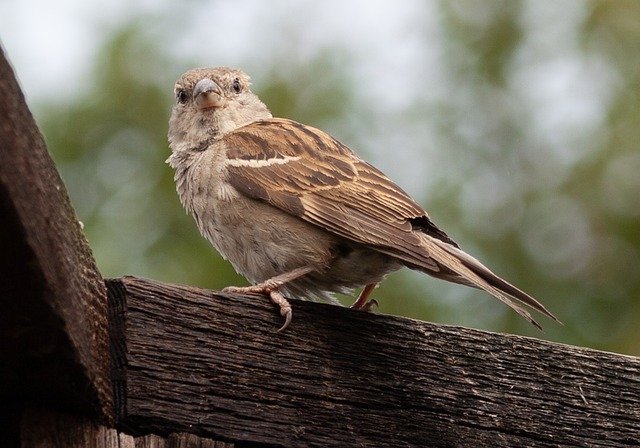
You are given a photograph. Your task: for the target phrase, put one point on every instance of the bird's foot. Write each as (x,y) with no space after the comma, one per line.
(270,288)
(363,303)
(371,306)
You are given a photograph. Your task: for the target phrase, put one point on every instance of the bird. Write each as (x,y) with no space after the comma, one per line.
(297,212)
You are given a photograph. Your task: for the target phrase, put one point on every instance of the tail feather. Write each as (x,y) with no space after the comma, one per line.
(467,270)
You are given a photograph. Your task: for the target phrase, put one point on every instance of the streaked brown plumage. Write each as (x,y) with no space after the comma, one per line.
(281,199)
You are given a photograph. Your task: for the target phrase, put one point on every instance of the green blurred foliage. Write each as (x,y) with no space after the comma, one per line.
(550,203)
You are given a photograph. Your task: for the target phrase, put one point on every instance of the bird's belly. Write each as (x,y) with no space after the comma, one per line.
(262,242)
(360,266)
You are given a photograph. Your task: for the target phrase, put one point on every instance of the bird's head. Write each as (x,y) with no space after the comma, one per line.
(209,103)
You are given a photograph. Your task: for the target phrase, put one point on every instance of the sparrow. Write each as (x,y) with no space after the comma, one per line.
(295,211)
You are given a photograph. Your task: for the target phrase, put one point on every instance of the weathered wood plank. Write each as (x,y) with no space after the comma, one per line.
(46,429)
(181,440)
(53,319)
(210,364)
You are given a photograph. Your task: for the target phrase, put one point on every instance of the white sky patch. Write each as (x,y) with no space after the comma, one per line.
(51,44)
(46,43)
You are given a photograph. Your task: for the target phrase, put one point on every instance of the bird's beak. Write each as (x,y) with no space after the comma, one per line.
(208,94)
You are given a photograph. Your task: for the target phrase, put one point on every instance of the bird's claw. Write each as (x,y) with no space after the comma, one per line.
(288,315)
(285,307)
(270,289)
(370,306)
(236,289)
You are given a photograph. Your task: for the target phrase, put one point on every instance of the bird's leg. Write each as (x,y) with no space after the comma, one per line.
(270,287)
(362,303)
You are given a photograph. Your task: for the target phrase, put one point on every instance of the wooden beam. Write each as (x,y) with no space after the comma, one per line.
(192,360)
(46,429)
(53,317)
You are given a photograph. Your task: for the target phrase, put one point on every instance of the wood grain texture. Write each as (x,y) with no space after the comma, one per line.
(197,361)
(53,325)
(46,429)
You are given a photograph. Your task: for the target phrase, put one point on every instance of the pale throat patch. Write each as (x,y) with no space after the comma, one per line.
(258,163)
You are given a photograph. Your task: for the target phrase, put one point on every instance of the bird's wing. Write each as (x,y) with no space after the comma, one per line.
(309,174)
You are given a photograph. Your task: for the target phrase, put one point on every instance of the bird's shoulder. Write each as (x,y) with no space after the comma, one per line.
(280,137)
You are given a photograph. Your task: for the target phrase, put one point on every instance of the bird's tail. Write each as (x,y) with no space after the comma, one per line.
(461,267)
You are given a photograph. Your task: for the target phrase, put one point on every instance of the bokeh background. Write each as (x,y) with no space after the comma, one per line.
(515,123)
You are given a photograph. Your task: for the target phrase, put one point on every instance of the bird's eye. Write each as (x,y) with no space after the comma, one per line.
(236,85)
(182,96)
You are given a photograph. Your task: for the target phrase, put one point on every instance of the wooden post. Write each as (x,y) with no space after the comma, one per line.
(53,309)
(45,429)
(192,360)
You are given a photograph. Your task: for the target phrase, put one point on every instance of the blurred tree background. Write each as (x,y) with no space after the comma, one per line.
(515,123)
